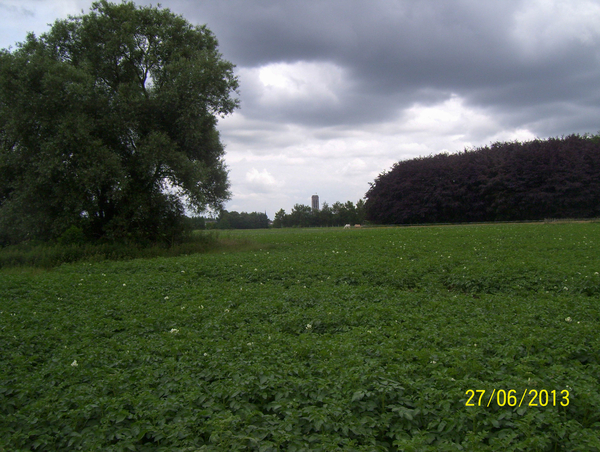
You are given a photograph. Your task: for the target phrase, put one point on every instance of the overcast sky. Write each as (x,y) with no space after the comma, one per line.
(333,92)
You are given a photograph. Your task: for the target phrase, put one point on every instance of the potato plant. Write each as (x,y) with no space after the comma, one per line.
(314,340)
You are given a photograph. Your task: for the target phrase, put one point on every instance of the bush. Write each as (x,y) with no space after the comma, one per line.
(72,236)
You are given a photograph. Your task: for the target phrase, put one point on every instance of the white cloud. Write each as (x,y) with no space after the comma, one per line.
(307,82)
(545,26)
(261,179)
(451,118)
(302,90)
(356,167)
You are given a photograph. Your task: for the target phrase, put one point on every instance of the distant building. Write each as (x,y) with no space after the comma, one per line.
(315,202)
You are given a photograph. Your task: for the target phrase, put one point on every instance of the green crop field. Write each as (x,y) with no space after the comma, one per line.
(377,339)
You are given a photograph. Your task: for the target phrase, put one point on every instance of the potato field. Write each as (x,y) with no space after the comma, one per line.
(446,338)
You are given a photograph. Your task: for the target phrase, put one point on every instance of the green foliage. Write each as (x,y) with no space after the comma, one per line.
(315,339)
(72,236)
(338,214)
(243,220)
(107,122)
(71,248)
(196,223)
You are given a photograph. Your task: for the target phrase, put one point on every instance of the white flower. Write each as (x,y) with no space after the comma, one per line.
(226,310)
(166,298)
(206,354)
(308,326)
(74,363)
(124,285)
(174,331)
(568,319)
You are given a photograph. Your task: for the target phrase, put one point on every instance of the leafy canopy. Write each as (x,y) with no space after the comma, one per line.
(108,123)
(512,181)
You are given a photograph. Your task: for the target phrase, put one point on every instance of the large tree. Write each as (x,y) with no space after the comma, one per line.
(108,123)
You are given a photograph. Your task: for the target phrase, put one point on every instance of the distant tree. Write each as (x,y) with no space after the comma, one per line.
(301,215)
(351,213)
(344,213)
(243,220)
(108,123)
(360,211)
(280,219)
(195,223)
(338,214)
(258,220)
(325,215)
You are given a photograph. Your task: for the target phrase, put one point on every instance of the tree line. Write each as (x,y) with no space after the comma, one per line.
(511,181)
(301,215)
(241,220)
(338,214)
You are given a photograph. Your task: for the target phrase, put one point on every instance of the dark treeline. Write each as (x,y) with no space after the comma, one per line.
(553,178)
(337,214)
(242,220)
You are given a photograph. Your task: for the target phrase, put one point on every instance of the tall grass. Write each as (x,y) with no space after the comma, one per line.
(47,255)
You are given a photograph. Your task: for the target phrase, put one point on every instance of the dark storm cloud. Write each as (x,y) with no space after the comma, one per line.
(398,52)
(525,61)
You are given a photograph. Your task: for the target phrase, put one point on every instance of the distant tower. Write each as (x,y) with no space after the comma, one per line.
(315,202)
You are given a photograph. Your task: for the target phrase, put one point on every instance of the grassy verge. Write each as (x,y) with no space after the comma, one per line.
(51,255)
